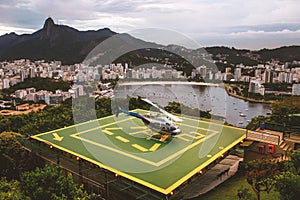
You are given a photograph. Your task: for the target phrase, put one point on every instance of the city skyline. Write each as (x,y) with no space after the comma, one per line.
(252,25)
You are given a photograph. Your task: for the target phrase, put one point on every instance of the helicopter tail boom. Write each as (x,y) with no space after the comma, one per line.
(134,114)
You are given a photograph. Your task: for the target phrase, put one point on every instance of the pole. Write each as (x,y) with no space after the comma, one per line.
(79,171)
(106,185)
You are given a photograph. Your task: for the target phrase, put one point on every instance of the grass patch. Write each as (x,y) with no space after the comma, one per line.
(228,190)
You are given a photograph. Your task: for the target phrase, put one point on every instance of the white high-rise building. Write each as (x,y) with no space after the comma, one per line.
(284,77)
(31,72)
(210,75)
(79,89)
(268,76)
(22,75)
(257,73)
(202,71)
(168,74)
(237,74)
(6,82)
(296,89)
(290,77)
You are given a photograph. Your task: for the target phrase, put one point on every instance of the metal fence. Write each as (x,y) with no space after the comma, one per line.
(95,179)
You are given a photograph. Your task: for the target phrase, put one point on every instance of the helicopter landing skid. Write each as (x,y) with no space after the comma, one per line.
(160,138)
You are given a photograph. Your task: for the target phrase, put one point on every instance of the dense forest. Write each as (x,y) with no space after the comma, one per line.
(25,176)
(39,84)
(284,116)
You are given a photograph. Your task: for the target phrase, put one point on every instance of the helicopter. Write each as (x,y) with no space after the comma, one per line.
(162,123)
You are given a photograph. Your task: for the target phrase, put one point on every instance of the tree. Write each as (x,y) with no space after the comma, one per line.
(295,159)
(5,123)
(244,194)
(49,183)
(138,103)
(173,107)
(282,111)
(261,175)
(10,154)
(288,182)
(255,122)
(39,84)
(13,158)
(29,161)
(103,107)
(288,185)
(10,190)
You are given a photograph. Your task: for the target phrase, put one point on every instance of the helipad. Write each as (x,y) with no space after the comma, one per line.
(121,146)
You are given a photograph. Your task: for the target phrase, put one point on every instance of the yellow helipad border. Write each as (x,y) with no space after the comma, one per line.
(142,182)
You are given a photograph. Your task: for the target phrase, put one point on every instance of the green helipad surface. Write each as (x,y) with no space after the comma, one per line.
(121,146)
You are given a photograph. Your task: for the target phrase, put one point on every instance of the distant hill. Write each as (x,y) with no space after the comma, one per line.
(233,56)
(52,42)
(247,57)
(64,43)
(284,54)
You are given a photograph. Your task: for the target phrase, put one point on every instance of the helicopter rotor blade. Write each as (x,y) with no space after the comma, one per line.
(173,117)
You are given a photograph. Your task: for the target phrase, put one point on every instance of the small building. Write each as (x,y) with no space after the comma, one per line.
(296,89)
(54,99)
(21,94)
(255,86)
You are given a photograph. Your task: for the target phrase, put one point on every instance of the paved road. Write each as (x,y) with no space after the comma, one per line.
(211,179)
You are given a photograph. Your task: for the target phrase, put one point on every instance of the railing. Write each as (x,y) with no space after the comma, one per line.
(263,137)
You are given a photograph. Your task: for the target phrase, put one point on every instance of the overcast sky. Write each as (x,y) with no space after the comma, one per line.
(243,24)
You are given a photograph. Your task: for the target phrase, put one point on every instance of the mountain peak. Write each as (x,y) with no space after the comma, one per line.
(48,23)
(48,29)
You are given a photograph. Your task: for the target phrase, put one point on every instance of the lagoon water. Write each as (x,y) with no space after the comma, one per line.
(236,111)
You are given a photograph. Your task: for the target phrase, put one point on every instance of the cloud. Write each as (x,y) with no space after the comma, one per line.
(9,29)
(251,33)
(212,19)
(251,39)
(266,12)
